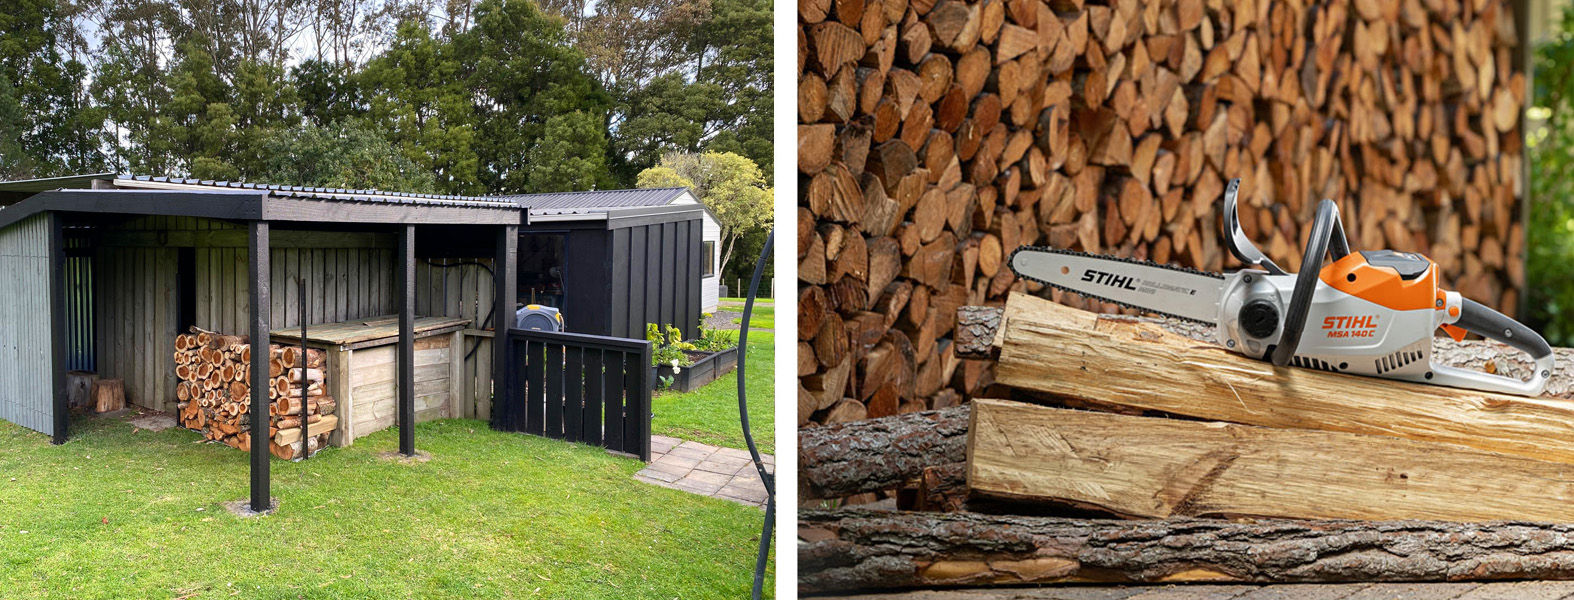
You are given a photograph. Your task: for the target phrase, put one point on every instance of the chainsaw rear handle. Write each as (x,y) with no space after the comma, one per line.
(1327,236)
(1483,321)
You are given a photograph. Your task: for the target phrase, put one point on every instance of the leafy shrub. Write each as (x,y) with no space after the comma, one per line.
(667,346)
(1549,256)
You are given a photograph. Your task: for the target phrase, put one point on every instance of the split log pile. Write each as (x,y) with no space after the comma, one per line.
(214,393)
(936,136)
(1136,450)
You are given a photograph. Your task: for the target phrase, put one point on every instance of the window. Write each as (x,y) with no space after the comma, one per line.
(710,260)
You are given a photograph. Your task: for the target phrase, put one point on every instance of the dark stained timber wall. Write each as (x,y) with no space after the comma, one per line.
(655,278)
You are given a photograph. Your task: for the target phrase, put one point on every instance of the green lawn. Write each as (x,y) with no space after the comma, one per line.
(710,414)
(116,514)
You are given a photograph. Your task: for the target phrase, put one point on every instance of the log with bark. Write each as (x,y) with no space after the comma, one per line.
(852,549)
(878,454)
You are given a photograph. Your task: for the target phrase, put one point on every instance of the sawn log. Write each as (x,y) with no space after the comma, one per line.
(849,550)
(878,454)
(1050,348)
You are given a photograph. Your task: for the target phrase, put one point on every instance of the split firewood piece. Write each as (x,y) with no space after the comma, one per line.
(1047,347)
(1159,468)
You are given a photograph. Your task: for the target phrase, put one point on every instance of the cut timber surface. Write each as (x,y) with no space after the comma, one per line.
(1158,467)
(1047,347)
(853,549)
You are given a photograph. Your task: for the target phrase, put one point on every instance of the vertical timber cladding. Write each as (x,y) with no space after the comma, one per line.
(460,287)
(26,366)
(137,304)
(656,277)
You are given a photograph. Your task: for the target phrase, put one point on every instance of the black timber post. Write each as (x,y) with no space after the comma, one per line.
(407,341)
(57,325)
(505,284)
(261,493)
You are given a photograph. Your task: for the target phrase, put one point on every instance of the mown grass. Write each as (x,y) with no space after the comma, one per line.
(710,414)
(117,514)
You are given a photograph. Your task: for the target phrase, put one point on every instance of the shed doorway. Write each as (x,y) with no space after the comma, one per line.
(541,264)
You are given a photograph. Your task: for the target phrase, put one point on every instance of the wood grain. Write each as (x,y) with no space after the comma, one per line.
(1060,350)
(1160,468)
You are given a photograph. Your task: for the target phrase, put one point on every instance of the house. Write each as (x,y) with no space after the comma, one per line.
(588,206)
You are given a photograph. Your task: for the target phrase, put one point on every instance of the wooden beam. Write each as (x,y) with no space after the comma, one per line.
(229,204)
(1159,468)
(859,549)
(247,205)
(236,238)
(505,285)
(57,325)
(407,340)
(406,213)
(261,304)
(1046,347)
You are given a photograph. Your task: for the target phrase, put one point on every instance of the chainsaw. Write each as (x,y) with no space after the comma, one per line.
(1372,312)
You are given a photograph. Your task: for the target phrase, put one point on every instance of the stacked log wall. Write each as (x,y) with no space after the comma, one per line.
(937,136)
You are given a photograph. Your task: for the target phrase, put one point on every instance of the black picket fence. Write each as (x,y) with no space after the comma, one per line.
(580,388)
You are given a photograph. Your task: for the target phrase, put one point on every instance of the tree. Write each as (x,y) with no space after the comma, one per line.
(734,51)
(523,74)
(667,115)
(328,92)
(571,156)
(57,132)
(730,185)
(348,155)
(418,97)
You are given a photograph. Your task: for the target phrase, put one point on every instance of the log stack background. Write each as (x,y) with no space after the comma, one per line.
(936,136)
(214,393)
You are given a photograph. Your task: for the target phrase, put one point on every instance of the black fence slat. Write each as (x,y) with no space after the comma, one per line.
(535,392)
(635,374)
(590,418)
(554,400)
(573,391)
(613,407)
(514,396)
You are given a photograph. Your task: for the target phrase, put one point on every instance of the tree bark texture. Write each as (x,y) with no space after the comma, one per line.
(851,550)
(878,454)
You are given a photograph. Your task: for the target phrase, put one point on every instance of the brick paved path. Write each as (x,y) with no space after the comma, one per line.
(1519,590)
(726,473)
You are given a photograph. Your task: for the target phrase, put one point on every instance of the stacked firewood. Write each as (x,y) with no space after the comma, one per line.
(936,136)
(214,393)
(1137,450)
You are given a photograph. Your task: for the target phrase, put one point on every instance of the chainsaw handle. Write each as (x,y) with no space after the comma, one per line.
(1481,320)
(1327,236)
(1235,239)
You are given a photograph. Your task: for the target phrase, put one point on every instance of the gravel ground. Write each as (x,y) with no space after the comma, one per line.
(722,319)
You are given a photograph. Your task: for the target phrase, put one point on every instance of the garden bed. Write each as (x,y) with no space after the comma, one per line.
(707,367)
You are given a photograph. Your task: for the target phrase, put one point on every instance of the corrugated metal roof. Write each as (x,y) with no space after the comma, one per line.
(317,193)
(602,199)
